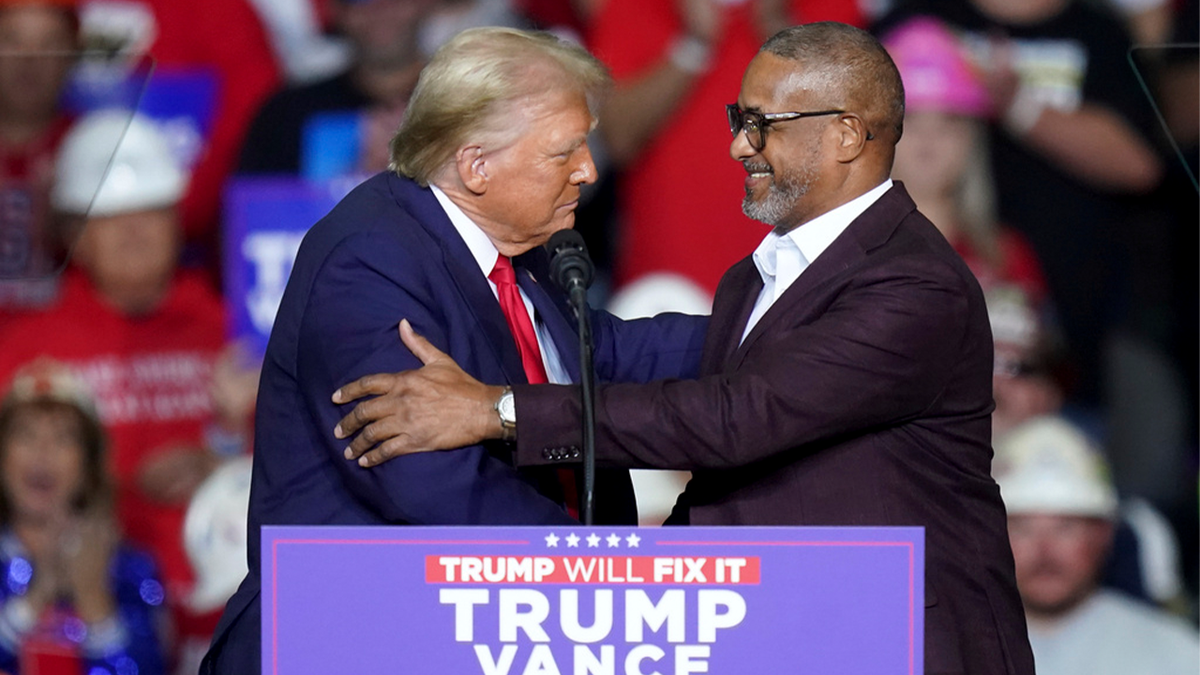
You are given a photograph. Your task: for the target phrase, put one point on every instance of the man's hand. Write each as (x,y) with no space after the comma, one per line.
(437,407)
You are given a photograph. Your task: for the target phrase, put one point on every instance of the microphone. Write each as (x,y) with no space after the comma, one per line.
(570,267)
(571,270)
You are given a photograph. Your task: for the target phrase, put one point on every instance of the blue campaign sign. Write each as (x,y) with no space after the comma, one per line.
(265,219)
(592,600)
(182,100)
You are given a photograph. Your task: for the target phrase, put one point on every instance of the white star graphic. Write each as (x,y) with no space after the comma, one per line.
(593,540)
(633,540)
(552,540)
(613,540)
(572,540)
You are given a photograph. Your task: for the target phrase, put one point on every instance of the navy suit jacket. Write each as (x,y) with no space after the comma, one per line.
(386,252)
(863,396)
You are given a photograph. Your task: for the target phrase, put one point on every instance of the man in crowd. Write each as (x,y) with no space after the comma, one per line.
(486,166)
(38,39)
(1062,511)
(846,375)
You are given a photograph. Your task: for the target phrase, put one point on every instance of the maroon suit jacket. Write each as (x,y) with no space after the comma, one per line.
(862,397)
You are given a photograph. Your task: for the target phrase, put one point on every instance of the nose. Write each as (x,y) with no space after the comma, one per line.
(740,149)
(585,171)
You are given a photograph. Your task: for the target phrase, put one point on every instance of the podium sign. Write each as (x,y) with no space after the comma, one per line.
(592,600)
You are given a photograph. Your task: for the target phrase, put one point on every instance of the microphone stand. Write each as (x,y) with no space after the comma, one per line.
(587,387)
(572,271)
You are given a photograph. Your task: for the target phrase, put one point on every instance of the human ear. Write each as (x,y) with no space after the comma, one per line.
(852,137)
(472,168)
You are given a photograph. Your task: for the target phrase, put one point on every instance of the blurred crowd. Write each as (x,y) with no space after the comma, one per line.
(1054,143)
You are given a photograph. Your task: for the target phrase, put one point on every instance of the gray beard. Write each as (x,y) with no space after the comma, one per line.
(779,202)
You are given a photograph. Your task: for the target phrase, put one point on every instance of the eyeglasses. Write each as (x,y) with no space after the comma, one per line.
(755,124)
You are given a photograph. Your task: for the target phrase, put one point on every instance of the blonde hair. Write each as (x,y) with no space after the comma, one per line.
(975,199)
(474,79)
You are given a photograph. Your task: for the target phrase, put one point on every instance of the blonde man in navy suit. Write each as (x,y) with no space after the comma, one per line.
(487,165)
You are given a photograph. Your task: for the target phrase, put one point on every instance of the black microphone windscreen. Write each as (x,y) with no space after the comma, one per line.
(564,239)
(569,261)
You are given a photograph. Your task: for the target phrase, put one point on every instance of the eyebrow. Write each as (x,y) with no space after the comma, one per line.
(569,147)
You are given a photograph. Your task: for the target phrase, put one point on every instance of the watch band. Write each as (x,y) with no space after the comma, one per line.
(505,407)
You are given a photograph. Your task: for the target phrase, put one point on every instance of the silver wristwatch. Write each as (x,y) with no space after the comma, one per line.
(506,410)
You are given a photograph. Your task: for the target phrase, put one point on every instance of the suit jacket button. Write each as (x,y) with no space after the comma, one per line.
(547,453)
(574,452)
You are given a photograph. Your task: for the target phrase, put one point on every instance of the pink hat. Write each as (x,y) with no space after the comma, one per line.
(936,73)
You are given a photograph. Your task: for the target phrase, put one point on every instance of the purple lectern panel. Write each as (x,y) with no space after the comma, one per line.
(592,600)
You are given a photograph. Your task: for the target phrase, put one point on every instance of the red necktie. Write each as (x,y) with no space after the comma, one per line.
(522,330)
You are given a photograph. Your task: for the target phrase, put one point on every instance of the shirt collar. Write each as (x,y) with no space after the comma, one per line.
(481,247)
(813,237)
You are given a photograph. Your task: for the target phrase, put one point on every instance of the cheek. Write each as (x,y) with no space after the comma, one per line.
(543,193)
(1024,549)
(66,460)
(953,153)
(19,451)
(100,244)
(19,457)
(71,463)
(9,463)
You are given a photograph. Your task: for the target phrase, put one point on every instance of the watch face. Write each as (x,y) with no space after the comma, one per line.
(507,407)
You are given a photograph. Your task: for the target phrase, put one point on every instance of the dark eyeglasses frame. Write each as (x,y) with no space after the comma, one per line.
(743,120)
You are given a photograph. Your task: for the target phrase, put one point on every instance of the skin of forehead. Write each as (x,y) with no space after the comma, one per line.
(794,81)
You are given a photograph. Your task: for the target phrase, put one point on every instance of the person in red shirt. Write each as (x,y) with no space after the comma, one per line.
(37,41)
(147,338)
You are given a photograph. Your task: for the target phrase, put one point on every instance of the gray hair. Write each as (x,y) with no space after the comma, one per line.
(848,59)
(474,79)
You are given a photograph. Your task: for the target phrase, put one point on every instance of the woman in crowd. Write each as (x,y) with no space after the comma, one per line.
(72,597)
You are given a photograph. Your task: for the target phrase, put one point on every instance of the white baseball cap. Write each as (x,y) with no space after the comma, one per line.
(144,174)
(1047,465)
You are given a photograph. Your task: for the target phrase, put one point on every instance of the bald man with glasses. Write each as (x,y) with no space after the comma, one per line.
(846,374)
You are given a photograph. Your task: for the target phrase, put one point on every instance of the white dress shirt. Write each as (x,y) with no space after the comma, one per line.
(485,254)
(781,259)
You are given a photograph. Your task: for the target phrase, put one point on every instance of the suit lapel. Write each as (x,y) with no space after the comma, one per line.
(850,249)
(732,305)
(464,274)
